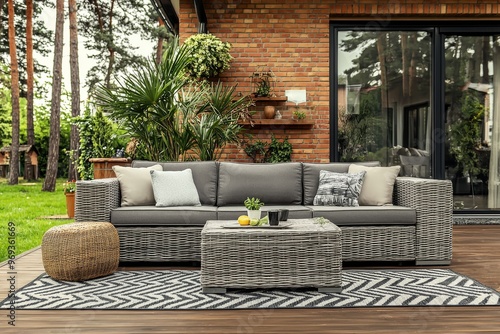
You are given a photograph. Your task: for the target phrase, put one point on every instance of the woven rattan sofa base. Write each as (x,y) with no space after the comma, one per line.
(160,244)
(378,243)
(431,199)
(307,254)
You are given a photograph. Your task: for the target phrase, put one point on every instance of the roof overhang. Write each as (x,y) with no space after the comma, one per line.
(168,10)
(202,16)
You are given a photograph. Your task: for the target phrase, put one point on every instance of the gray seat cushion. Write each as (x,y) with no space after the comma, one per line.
(204,176)
(163,216)
(366,215)
(233,212)
(311,175)
(279,183)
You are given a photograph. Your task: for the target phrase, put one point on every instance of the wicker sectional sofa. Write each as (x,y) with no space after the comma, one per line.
(418,227)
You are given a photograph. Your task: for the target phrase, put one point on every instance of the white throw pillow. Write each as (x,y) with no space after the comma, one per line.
(174,188)
(135,185)
(378,184)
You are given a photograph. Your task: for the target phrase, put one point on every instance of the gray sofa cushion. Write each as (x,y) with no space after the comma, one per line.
(233,212)
(366,215)
(311,175)
(204,176)
(279,183)
(163,216)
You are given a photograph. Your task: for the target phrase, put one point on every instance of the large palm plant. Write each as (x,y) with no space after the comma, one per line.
(169,115)
(145,103)
(217,121)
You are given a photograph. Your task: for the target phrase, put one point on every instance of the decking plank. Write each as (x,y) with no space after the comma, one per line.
(475,253)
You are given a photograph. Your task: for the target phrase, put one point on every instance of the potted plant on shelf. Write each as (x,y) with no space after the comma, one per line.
(69,189)
(263,87)
(253,206)
(263,82)
(299,115)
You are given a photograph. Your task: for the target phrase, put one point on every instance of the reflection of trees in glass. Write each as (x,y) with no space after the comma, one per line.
(465,136)
(386,62)
(360,133)
(389,59)
(467,59)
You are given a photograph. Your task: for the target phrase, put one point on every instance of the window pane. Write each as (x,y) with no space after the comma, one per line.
(384,100)
(473,120)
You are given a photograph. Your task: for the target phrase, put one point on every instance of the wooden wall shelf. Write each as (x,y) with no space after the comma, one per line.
(274,99)
(278,123)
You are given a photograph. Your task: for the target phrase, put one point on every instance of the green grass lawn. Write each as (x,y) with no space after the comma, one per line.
(25,205)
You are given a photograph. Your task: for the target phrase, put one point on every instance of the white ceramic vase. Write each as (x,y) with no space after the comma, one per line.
(254,214)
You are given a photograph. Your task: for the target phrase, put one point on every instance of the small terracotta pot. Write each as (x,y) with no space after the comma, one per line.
(70,204)
(269,112)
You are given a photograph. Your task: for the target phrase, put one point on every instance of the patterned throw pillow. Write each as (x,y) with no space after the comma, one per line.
(338,189)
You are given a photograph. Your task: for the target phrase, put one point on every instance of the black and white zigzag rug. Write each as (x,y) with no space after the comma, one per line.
(180,289)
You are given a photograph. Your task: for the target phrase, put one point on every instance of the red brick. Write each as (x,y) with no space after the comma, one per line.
(293,39)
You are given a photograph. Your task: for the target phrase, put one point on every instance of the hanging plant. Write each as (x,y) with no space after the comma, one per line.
(210,56)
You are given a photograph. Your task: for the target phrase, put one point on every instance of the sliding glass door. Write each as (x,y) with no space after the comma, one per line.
(424,98)
(384,94)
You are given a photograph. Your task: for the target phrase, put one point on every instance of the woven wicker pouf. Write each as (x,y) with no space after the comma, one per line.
(80,251)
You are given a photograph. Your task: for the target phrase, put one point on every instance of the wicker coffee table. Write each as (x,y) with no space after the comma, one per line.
(306,254)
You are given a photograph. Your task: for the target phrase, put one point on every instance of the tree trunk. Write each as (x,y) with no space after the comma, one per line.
(383,70)
(14,75)
(30,71)
(75,88)
(413,64)
(486,59)
(384,84)
(159,46)
(478,52)
(406,66)
(30,129)
(55,108)
(111,49)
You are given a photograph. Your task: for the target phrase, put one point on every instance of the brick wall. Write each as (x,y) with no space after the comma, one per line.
(292,38)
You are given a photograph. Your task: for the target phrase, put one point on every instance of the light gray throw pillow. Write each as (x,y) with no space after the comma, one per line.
(174,188)
(135,185)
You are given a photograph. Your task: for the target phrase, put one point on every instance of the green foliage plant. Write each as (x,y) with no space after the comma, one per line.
(146,103)
(263,87)
(209,56)
(84,166)
(171,117)
(69,187)
(99,138)
(253,203)
(279,151)
(273,152)
(465,136)
(216,124)
(257,151)
(299,114)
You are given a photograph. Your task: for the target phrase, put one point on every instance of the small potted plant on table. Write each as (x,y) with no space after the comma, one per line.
(253,206)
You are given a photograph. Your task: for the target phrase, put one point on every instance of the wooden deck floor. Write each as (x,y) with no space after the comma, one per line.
(476,254)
